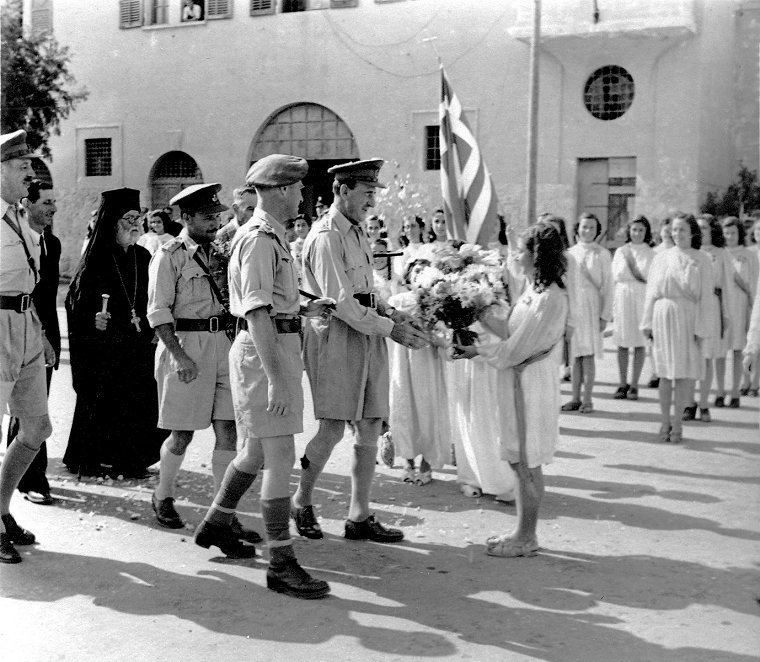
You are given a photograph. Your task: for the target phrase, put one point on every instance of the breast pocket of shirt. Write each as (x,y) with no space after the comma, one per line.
(192,283)
(287,278)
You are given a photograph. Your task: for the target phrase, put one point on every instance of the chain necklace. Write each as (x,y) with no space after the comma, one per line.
(135,319)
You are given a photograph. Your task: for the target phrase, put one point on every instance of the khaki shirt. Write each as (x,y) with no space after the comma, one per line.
(262,271)
(16,276)
(177,286)
(337,263)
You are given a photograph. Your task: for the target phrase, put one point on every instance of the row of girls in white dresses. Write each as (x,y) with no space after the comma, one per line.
(437,403)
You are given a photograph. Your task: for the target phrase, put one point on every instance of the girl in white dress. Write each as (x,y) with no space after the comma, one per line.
(745,271)
(752,349)
(157,235)
(630,268)
(526,363)
(592,309)
(419,412)
(676,318)
(412,230)
(713,245)
(666,242)
(751,379)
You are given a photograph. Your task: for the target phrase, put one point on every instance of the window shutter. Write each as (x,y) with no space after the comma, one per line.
(217,8)
(262,7)
(42,16)
(130,13)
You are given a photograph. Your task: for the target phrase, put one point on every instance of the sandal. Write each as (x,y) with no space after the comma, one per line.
(753,392)
(573,405)
(664,434)
(423,478)
(734,403)
(586,408)
(409,475)
(744,390)
(720,401)
(508,547)
(471,491)
(306,522)
(704,415)
(676,436)
(689,413)
(633,393)
(621,393)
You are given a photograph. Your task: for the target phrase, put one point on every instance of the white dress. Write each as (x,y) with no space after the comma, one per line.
(677,308)
(526,372)
(628,302)
(418,408)
(745,265)
(719,341)
(593,298)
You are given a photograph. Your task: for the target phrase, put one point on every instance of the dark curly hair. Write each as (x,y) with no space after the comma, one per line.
(733,222)
(647,229)
(544,242)
(716,232)
(696,233)
(559,223)
(407,279)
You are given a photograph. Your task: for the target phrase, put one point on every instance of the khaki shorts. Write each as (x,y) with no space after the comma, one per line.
(348,371)
(207,398)
(23,385)
(250,387)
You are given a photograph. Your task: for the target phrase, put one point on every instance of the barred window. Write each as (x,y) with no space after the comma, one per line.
(130,13)
(259,7)
(432,148)
(609,92)
(177,165)
(97,157)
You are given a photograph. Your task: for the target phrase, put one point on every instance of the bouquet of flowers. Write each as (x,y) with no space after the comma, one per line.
(458,286)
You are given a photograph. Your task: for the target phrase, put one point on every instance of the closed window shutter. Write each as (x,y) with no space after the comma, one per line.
(130,13)
(262,7)
(217,8)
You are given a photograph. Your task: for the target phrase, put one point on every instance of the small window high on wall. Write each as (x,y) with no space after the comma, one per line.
(97,157)
(130,13)
(432,148)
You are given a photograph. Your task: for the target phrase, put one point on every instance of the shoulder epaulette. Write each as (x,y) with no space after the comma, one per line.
(173,245)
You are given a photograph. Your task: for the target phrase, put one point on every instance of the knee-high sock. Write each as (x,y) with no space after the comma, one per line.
(234,485)
(17,459)
(220,460)
(276,515)
(169,468)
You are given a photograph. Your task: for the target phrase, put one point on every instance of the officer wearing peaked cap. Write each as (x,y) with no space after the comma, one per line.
(346,356)
(187,307)
(266,369)
(22,356)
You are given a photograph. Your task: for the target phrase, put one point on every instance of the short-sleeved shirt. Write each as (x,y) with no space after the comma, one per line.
(16,276)
(178,287)
(338,263)
(262,270)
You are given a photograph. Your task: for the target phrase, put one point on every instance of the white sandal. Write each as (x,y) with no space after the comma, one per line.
(423,478)
(471,491)
(508,547)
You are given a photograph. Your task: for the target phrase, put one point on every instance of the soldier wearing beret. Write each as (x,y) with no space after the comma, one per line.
(23,357)
(266,370)
(346,356)
(185,307)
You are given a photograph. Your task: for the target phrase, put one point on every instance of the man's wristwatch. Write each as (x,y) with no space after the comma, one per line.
(390,311)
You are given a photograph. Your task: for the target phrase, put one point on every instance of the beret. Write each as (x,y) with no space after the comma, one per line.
(277,170)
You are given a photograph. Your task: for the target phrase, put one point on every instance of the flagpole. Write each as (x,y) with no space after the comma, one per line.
(532,153)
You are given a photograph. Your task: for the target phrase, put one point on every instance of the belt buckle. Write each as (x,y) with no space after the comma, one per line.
(25,303)
(213,324)
(372,300)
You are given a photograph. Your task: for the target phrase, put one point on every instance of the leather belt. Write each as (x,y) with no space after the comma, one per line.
(19,302)
(281,324)
(367,300)
(213,324)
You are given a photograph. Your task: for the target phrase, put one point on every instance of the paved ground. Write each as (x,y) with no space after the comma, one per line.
(650,552)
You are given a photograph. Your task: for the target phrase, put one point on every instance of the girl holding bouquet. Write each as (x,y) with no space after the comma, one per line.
(418,418)
(526,361)
(593,309)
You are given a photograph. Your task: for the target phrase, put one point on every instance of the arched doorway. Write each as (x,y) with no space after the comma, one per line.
(170,174)
(313,132)
(41,171)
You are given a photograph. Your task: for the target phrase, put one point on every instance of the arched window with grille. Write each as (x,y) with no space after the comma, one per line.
(170,174)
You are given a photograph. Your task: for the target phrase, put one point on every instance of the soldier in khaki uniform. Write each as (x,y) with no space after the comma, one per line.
(22,354)
(266,371)
(192,361)
(346,356)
